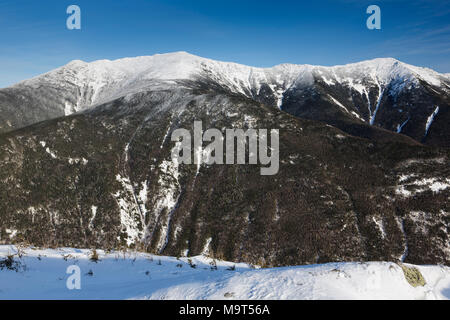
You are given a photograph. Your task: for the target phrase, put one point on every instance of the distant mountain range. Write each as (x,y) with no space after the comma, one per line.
(383,92)
(364,153)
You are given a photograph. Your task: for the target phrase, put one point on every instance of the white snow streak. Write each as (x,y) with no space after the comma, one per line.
(430,120)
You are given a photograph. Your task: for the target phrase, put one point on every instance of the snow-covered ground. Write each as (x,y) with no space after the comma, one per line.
(41,274)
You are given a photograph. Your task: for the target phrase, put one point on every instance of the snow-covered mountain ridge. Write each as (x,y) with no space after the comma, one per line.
(382,92)
(105,80)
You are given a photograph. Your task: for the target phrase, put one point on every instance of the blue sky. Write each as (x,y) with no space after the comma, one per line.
(34,38)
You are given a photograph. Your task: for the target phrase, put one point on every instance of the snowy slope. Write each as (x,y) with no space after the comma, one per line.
(104,80)
(41,273)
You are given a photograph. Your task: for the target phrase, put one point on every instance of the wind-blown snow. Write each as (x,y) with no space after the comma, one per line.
(41,274)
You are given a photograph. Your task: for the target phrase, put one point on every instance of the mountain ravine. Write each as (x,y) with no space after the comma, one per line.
(89,165)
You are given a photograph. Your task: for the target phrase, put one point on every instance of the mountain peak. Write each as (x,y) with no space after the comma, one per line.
(75,63)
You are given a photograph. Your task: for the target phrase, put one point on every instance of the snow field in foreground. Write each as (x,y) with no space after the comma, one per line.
(41,274)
